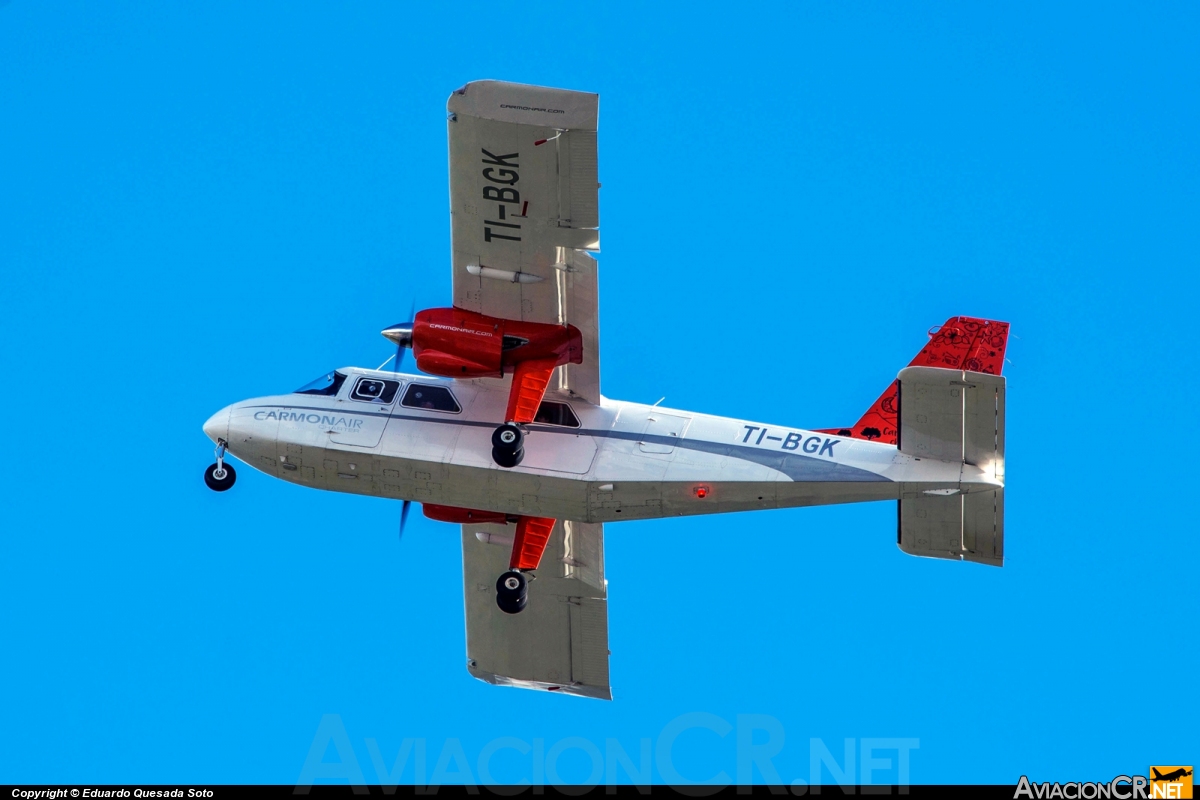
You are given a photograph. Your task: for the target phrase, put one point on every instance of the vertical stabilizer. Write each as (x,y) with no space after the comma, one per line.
(960,343)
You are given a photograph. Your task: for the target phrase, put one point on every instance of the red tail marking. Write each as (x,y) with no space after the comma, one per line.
(528,388)
(530,542)
(976,345)
(966,343)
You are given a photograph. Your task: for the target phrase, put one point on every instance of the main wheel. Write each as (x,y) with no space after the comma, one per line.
(507,458)
(220,479)
(511,584)
(512,592)
(512,606)
(507,437)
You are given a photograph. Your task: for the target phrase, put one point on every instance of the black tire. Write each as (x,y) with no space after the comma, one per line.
(512,606)
(507,437)
(507,459)
(512,592)
(222,483)
(512,585)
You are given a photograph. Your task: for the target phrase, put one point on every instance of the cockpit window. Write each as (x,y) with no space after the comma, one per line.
(434,398)
(327,384)
(375,390)
(556,414)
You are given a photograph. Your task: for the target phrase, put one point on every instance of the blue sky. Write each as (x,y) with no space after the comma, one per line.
(208,202)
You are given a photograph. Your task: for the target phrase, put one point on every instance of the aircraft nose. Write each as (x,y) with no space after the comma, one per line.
(217,426)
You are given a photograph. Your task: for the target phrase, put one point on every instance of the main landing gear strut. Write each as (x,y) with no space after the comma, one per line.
(220,476)
(528,547)
(508,445)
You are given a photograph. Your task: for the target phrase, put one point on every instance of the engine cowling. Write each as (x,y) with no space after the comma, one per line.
(456,343)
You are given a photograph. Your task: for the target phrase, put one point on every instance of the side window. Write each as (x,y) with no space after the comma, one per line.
(375,390)
(434,398)
(556,414)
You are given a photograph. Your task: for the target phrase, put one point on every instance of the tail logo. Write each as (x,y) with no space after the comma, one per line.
(970,343)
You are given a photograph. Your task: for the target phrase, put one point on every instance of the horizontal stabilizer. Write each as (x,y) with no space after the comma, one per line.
(954,416)
(966,527)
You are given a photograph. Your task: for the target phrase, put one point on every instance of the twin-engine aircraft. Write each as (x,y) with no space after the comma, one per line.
(506,432)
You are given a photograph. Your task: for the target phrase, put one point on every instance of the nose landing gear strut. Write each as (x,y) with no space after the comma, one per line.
(220,476)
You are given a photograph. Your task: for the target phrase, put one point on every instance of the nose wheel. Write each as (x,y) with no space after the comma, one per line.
(508,445)
(512,592)
(220,476)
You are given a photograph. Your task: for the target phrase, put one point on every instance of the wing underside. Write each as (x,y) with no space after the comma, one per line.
(524,205)
(559,643)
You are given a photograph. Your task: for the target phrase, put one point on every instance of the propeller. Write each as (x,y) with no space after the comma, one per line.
(401,334)
(404,517)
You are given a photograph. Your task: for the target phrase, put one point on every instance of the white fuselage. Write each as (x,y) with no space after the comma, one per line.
(623,461)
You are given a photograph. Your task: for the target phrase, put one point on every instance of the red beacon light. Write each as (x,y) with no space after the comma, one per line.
(701,491)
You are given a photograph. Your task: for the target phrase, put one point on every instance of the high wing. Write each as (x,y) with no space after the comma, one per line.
(524,205)
(559,643)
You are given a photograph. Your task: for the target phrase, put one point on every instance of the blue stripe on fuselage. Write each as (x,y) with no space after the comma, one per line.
(796,466)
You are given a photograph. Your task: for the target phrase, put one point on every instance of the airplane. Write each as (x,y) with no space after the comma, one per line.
(1174,775)
(505,432)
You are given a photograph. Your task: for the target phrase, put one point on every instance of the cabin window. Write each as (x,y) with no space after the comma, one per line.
(433,398)
(328,384)
(556,414)
(375,390)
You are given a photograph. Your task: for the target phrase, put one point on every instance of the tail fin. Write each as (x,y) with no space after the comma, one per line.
(962,343)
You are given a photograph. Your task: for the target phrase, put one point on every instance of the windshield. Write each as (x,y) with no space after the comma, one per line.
(329,383)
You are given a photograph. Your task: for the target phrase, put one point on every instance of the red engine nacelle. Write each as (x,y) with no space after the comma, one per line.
(464,516)
(455,343)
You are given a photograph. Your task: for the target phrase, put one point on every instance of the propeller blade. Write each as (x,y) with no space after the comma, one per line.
(396,332)
(404,517)
(412,314)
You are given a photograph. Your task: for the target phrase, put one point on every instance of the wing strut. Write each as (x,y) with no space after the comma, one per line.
(529,382)
(530,542)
